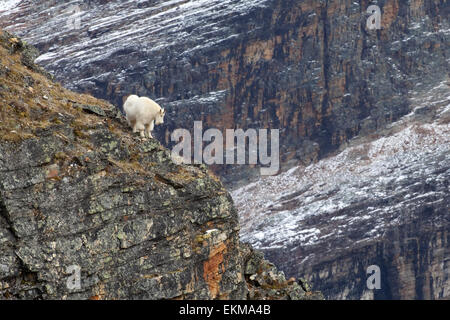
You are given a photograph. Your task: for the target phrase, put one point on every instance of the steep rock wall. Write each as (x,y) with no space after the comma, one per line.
(79,192)
(309,68)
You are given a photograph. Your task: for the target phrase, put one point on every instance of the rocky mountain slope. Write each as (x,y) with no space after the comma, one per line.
(77,190)
(309,68)
(382,200)
(312,69)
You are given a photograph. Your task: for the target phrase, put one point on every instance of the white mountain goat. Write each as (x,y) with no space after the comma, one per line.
(142,114)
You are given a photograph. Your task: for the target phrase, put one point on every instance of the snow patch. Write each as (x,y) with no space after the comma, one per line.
(6,5)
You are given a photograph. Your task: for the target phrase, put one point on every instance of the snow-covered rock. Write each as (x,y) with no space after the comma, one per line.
(380,201)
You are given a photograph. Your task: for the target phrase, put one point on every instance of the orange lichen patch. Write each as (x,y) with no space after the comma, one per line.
(213,269)
(53,172)
(99,292)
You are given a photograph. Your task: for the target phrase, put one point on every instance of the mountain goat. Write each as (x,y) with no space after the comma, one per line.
(142,114)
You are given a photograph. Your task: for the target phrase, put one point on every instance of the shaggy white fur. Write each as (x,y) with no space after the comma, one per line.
(142,114)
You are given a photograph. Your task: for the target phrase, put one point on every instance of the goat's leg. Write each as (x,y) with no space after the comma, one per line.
(148,130)
(141,128)
(133,124)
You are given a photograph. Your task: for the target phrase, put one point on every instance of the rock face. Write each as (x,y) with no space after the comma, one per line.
(313,70)
(382,201)
(265,282)
(309,68)
(78,192)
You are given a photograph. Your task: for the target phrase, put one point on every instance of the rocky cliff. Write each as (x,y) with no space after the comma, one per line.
(309,68)
(79,192)
(312,69)
(382,200)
